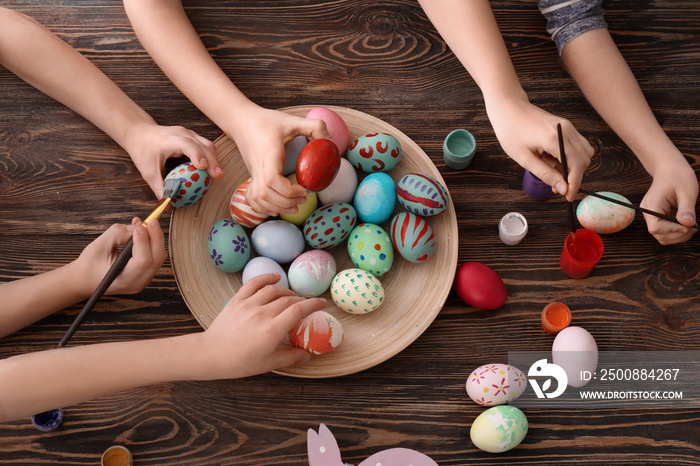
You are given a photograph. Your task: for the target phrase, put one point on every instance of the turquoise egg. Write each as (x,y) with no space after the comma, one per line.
(412,237)
(374,152)
(330,225)
(603,216)
(370,249)
(499,429)
(229,247)
(421,194)
(194,184)
(375,198)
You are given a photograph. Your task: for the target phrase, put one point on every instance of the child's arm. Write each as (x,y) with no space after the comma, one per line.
(524,131)
(242,341)
(43,60)
(29,299)
(166,33)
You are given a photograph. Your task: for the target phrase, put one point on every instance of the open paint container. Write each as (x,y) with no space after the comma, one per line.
(555,317)
(581,254)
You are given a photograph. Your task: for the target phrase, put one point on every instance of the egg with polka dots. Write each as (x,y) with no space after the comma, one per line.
(194,184)
(370,249)
(330,225)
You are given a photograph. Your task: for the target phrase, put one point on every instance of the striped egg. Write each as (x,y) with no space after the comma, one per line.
(413,238)
(374,152)
(422,195)
(330,225)
(241,211)
(318,333)
(194,184)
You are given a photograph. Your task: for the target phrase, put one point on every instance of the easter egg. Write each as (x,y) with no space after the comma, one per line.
(279,240)
(228,246)
(311,273)
(356,291)
(261,265)
(480,286)
(194,184)
(499,429)
(412,237)
(343,186)
(318,333)
(291,154)
(495,384)
(604,216)
(330,225)
(422,195)
(335,125)
(241,211)
(303,210)
(574,349)
(370,249)
(318,164)
(374,152)
(375,198)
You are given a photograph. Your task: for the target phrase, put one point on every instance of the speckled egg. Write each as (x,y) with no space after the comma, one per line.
(499,429)
(374,152)
(412,237)
(421,194)
(495,384)
(356,291)
(343,186)
(318,333)
(261,265)
(311,273)
(330,225)
(228,245)
(279,240)
(303,210)
(194,184)
(603,216)
(375,198)
(241,211)
(370,249)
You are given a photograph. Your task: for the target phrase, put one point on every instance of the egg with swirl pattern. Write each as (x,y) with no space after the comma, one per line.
(374,152)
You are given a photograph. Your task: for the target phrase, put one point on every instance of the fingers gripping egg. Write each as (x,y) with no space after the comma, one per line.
(194,184)
(318,333)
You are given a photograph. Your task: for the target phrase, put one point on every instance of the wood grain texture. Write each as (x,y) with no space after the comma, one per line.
(63,182)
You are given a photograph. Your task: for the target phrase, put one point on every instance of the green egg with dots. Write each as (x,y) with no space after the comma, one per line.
(370,249)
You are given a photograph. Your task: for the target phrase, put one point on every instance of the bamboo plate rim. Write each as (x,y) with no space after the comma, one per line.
(414,293)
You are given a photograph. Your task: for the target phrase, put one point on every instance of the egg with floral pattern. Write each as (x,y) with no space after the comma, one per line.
(370,249)
(374,152)
(194,184)
(412,237)
(356,291)
(495,384)
(229,247)
(330,225)
(422,194)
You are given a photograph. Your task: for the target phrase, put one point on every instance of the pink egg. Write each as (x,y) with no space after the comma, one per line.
(479,286)
(318,164)
(335,124)
(241,211)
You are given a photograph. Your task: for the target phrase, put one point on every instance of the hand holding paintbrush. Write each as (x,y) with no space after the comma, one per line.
(565,173)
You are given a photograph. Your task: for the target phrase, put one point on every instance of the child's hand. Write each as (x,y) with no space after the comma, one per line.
(674,191)
(243,340)
(261,137)
(148,254)
(525,132)
(150,145)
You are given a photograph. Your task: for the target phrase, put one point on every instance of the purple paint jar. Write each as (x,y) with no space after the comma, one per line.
(535,188)
(48,420)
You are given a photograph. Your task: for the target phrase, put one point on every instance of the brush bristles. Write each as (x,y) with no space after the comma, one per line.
(170,187)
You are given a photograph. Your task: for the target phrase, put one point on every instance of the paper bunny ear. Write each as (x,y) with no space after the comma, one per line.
(398,457)
(322,448)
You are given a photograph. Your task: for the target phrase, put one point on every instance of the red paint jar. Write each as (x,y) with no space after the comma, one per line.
(581,254)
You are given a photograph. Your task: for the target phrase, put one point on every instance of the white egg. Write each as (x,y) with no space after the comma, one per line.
(575,350)
(343,187)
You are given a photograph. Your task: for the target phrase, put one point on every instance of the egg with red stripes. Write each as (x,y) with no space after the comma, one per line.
(422,195)
(241,211)
(194,184)
(330,225)
(318,333)
(413,238)
(374,152)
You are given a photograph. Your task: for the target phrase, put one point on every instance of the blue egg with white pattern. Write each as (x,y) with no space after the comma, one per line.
(370,249)
(229,247)
(194,184)
(375,198)
(422,194)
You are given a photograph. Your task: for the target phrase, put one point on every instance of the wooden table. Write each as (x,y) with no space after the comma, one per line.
(62,182)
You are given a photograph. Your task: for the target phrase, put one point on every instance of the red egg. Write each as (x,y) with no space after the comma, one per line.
(318,164)
(479,286)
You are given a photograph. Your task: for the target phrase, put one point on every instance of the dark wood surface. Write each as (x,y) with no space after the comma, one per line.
(62,182)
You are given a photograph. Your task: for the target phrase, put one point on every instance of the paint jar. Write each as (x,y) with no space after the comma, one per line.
(458,149)
(117,455)
(48,420)
(535,188)
(581,254)
(555,317)
(512,228)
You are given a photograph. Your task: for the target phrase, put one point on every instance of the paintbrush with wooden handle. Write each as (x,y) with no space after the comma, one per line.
(170,188)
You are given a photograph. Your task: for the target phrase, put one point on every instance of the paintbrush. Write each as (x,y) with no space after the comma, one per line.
(565,172)
(170,188)
(635,207)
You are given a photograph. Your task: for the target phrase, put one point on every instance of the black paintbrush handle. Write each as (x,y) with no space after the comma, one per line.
(565,172)
(635,207)
(111,275)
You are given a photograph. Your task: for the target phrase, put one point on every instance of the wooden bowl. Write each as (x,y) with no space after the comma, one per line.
(414,293)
